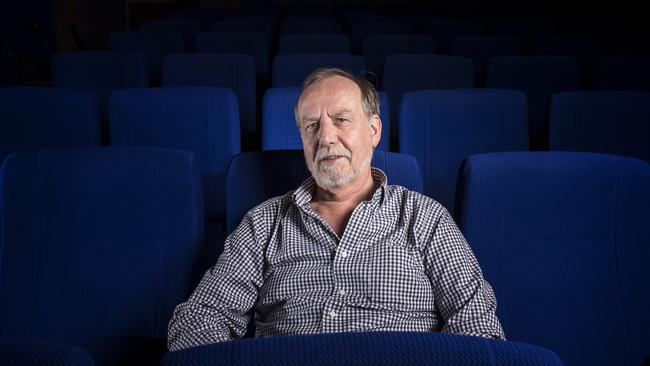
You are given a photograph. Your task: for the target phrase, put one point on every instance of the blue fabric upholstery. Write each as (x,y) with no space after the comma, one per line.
(201,120)
(291,70)
(253,44)
(303,27)
(236,72)
(482,48)
(279,130)
(624,72)
(442,127)
(254,177)
(98,247)
(376,46)
(563,240)
(539,77)
(584,49)
(21,353)
(187,29)
(100,72)
(313,43)
(374,348)
(608,122)
(155,45)
(406,73)
(36,117)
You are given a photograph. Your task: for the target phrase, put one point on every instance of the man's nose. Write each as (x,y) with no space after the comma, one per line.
(328,134)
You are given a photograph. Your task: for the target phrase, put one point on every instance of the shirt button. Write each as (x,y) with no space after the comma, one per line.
(344,253)
(342,292)
(332,314)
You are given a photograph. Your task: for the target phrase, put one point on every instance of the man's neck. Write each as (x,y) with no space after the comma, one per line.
(361,190)
(335,206)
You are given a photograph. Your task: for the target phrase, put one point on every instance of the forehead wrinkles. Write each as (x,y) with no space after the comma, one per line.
(334,94)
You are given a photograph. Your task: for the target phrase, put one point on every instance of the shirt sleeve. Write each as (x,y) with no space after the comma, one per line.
(218,308)
(464,299)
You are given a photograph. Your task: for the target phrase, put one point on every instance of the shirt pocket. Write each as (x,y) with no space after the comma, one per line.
(396,278)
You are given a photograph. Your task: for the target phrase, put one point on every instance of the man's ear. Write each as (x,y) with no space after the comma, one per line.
(375,129)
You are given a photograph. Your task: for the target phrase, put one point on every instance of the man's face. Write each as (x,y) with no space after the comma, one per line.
(337,134)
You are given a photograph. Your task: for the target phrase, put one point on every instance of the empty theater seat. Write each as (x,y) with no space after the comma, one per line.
(291,70)
(155,45)
(38,117)
(313,43)
(204,121)
(608,122)
(442,127)
(98,247)
(233,71)
(539,77)
(563,240)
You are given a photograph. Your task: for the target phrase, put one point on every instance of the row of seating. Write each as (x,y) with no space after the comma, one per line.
(374,49)
(539,77)
(99,245)
(440,128)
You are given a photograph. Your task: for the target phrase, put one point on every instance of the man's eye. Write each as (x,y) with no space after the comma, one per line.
(341,119)
(311,126)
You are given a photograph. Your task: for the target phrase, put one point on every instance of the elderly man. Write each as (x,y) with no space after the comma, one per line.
(345,251)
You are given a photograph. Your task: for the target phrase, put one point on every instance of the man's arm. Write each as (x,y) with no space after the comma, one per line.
(217,310)
(465,300)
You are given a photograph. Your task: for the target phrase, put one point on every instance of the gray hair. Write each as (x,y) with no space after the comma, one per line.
(368,92)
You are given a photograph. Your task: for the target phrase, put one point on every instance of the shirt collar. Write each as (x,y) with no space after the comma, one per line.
(304,193)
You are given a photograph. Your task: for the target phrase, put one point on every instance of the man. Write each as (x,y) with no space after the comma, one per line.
(343,252)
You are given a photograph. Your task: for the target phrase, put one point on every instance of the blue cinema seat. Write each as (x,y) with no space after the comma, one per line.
(601,121)
(252,25)
(407,73)
(313,43)
(25,353)
(98,247)
(233,71)
(186,29)
(372,348)
(254,177)
(279,129)
(539,77)
(155,45)
(442,127)
(100,72)
(291,70)
(562,237)
(361,29)
(444,30)
(39,117)
(375,47)
(481,48)
(253,44)
(204,121)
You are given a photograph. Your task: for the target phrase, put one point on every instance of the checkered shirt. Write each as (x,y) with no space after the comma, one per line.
(401,265)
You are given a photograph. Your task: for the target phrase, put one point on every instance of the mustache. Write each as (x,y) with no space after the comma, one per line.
(328,152)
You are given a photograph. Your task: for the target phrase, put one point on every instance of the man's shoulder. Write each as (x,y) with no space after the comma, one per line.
(273,205)
(405,195)
(415,203)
